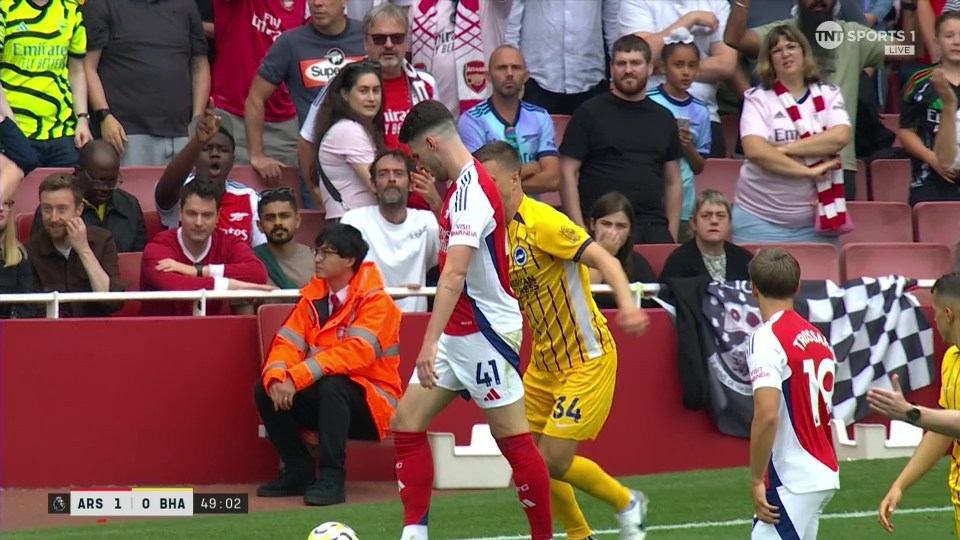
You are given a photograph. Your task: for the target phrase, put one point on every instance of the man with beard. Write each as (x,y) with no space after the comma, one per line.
(289,263)
(385,30)
(210,154)
(528,128)
(104,204)
(840,66)
(622,141)
(404,242)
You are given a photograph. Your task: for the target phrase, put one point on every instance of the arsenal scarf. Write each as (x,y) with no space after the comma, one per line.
(831,202)
(467,47)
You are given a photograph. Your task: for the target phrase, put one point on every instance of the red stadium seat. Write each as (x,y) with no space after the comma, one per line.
(310,226)
(22,223)
(914,260)
(911,259)
(655,254)
(890,179)
(27,198)
(720,174)
(560,122)
(937,222)
(817,261)
(892,122)
(731,132)
(151,220)
(141,182)
(879,222)
(269,319)
(862,182)
(130,273)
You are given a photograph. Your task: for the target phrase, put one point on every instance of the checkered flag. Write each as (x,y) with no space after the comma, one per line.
(875,330)
(874,326)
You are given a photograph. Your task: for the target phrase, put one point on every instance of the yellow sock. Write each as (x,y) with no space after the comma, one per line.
(565,508)
(588,476)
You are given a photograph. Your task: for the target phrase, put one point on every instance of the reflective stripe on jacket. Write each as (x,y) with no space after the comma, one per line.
(361,340)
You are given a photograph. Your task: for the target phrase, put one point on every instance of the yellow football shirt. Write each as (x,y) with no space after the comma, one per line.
(950,399)
(553,288)
(34,46)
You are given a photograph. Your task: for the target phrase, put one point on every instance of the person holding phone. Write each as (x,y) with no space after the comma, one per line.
(680,62)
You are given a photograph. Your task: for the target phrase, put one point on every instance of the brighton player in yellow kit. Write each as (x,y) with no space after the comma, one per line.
(570,379)
(943,425)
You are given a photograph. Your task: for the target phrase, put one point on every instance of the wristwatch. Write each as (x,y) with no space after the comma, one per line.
(101,114)
(199,268)
(913,415)
(908,6)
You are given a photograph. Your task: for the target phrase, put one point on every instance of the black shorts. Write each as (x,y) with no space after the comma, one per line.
(15,146)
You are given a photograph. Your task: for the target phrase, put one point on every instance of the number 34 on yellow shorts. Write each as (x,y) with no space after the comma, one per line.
(573,403)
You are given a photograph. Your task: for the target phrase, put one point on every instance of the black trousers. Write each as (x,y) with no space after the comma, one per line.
(335,406)
(556,103)
(652,233)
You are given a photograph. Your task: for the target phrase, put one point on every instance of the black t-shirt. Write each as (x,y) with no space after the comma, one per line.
(623,146)
(145,63)
(920,111)
(206,15)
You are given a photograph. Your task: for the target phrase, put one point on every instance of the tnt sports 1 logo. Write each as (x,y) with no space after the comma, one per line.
(830,35)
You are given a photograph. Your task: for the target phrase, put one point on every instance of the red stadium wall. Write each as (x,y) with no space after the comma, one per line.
(169,401)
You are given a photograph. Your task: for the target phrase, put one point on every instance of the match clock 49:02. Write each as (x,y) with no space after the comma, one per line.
(221,503)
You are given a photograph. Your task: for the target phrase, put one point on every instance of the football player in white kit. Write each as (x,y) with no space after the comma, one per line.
(793,466)
(472,342)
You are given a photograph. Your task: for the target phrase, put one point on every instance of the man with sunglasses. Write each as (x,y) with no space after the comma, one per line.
(385,29)
(104,204)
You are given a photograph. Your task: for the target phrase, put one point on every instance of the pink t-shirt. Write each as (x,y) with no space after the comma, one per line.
(346,143)
(782,200)
(245,30)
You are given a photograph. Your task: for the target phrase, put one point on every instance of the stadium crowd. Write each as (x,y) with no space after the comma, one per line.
(255,145)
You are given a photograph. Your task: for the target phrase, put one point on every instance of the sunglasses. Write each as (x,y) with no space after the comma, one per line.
(381,39)
(110,183)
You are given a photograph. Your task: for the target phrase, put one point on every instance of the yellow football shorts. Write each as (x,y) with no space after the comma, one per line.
(573,403)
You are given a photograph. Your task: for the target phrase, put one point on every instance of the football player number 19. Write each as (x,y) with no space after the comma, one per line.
(820,378)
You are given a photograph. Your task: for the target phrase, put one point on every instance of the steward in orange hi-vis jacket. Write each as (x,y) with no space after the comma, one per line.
(332,367)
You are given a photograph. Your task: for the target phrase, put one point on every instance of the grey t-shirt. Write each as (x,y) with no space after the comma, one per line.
(307,60)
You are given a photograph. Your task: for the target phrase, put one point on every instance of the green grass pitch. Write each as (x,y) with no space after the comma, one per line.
(696,505)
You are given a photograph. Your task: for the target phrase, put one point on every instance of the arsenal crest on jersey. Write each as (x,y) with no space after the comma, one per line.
(474,74)
(287,4)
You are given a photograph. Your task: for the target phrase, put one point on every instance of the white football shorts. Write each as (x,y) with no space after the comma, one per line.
(799,514)
(487,367)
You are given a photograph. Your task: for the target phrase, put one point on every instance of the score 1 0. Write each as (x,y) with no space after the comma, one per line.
(156,502)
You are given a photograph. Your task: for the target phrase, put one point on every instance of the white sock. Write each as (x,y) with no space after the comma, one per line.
(414,532)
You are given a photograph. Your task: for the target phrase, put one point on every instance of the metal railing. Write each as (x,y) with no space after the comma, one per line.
(53,300)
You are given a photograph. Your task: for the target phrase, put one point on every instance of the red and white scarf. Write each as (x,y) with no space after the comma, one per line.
(468,46)
(832,204)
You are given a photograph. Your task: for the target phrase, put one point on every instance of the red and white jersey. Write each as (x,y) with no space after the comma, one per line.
(238,213)
(790,354)
(472,215)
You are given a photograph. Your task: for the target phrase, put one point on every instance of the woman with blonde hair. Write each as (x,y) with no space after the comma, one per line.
(16,276)
(792,128)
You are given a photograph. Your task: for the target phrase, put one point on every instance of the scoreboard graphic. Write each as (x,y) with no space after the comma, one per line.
(145,501)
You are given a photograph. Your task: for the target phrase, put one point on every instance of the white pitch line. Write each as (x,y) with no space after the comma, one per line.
(734,522)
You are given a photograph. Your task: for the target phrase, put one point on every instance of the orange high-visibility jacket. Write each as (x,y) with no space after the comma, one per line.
(361,340)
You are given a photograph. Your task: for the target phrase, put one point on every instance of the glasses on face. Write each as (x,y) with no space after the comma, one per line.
(321,253)
(110,183)
(381,39)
